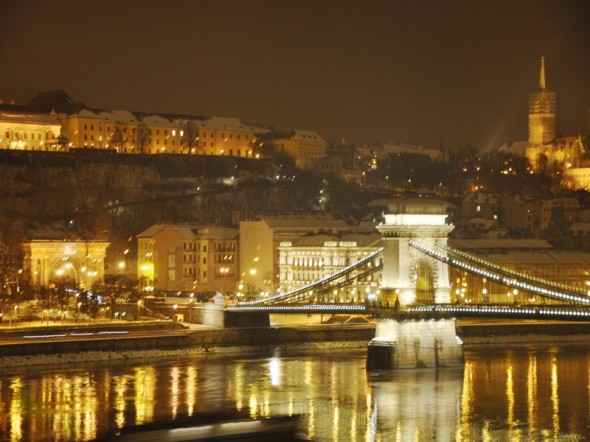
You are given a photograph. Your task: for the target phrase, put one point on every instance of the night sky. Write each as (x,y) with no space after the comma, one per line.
(420,72)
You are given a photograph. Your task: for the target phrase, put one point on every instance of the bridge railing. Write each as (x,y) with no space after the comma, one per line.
(505,277)
(522,276)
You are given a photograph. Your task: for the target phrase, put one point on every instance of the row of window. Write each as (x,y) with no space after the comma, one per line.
(173,132)
(25,136)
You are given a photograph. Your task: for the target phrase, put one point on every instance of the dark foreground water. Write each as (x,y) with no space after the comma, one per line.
(517,393)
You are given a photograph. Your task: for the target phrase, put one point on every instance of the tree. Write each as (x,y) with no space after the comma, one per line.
(119,137)
(191,133)
(12,236)
(143,138)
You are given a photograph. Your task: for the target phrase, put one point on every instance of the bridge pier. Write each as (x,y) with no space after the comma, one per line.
(406,341)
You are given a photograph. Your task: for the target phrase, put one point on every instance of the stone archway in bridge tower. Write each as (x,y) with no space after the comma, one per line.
(425,283)
(409,275)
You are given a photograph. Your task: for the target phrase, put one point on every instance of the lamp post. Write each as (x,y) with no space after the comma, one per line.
(190,309)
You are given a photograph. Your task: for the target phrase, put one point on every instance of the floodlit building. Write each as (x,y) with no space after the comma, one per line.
(260,240)
(21,129)
(533,257)
(313,257)
(80,263)
(546,150)
(37,126)
(187,258)
(298,144)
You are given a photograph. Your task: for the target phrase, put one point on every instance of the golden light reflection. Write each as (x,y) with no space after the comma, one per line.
(253,405)
(191,389)
(239,384)
(466,401)
(174,390)
(16,410)
(311,423)
(274,369)
(120,386)
(335,420)
(555,396)
(531,382)
(510,397)
(145,388)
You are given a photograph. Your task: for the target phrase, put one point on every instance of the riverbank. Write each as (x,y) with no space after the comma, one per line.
(78,343)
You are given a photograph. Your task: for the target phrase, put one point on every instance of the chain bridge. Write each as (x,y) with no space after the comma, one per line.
(415,317)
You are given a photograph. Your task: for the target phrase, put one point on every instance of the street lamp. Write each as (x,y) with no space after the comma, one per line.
(190,308)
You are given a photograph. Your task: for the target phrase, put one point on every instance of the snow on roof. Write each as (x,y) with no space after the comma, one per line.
(87,113)
(319,239)
(299,134)
(191,231)
(220,123)
(118,116)
(304,222)
(156,120)
(490,244)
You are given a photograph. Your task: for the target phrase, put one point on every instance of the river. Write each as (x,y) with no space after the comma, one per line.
(510,393)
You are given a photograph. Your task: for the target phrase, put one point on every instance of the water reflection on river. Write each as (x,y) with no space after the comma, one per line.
(531,393)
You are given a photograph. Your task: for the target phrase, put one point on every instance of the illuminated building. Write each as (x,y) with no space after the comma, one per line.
(260,239)
(23,130)
(546,151)
(533,257)
(37,126)
(541,112)
(78,262)
(313,257)
(298,144)
(188,258)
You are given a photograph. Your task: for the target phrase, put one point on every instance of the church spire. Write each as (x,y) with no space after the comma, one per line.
(542,75)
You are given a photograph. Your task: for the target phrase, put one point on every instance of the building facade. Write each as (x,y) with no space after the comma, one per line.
(187,258)
(80,263)
(24,130)
(311,258)
(260,240)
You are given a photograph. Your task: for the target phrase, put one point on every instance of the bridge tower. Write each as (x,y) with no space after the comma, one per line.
(408,275)
(404,339)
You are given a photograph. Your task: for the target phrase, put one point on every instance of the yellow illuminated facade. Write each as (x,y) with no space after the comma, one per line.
(259,246)
(312,258)
(129,132)
(545,151)
(37,126)
(26,131)
(542,112)
(187,258)
(302,144)
(49,262)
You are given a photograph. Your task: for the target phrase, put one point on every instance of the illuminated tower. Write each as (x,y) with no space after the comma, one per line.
(541,112)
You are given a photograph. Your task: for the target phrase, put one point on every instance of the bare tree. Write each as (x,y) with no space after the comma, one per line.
(143,138)
(191,133)
(119,137)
